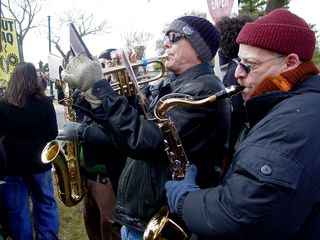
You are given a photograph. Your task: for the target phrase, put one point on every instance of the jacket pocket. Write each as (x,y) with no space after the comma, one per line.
(270,165)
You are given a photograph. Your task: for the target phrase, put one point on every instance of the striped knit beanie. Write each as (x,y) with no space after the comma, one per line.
(203,36)
(280,31)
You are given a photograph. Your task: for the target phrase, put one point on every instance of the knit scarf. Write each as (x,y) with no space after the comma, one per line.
(286,80)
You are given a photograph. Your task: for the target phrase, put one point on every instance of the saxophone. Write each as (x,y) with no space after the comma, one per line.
(66,171)
(177,156)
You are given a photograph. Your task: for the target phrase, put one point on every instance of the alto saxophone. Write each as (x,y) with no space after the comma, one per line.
(177,156)
(65,159)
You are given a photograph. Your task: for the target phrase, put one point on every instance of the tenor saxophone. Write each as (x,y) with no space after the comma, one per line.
(65,159)
(177,156)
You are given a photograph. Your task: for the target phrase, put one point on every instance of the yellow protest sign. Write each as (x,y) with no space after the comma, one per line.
(9,52)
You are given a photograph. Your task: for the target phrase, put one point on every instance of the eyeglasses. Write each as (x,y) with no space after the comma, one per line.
(173,37)
(247,66)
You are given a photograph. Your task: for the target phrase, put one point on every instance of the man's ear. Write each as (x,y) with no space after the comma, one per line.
(292,61)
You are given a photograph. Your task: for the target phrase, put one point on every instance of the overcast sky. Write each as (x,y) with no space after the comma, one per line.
(127,16)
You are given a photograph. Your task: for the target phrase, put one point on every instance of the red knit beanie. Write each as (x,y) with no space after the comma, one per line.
(280,31)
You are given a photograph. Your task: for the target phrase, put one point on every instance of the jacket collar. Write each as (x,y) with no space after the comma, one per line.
(257,107)
(192,73)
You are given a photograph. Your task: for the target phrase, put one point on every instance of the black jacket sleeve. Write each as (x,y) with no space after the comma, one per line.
(138,137)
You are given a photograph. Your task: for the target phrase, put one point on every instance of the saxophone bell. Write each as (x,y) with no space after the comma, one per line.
(66,174)
(66,162)
(160,223)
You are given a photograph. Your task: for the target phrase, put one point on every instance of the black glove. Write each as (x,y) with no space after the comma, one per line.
(177,190)
(82,73)
(72,131)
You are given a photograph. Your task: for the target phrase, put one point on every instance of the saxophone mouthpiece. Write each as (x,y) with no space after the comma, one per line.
(229,91)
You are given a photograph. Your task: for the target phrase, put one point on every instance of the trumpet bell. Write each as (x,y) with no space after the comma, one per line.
(122,83)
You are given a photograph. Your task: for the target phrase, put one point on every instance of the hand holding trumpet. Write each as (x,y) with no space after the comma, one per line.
(82,73)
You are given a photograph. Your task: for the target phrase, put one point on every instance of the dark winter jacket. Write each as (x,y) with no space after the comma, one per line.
(26,131)
(272,189)
(202,129)
(97,147)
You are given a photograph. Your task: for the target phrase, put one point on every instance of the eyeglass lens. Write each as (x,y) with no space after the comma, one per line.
(245,67)
(173,37)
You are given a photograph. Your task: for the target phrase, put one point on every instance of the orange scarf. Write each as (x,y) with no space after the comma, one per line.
(286,80)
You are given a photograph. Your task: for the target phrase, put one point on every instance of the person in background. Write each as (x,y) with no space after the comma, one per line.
(229,28)
(106,61)
(27,123)
(271,190)
(191,43)
(58,85)
(43,81)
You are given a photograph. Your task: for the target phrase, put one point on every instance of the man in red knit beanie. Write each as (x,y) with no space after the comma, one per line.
(272,189)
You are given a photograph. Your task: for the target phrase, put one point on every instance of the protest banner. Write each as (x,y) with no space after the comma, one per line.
(9,51)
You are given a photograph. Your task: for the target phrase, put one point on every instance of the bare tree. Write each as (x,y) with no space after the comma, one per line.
(23,12)
(137,40)
(84,24)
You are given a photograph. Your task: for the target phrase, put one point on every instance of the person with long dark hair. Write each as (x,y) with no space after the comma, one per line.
(27,123)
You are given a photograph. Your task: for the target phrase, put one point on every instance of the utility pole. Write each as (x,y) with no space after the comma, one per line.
(49,37)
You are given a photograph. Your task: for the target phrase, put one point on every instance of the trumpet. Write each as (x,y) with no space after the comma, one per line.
(123,85)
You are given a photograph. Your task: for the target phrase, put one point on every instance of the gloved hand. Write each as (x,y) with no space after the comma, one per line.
(177,190)
(82,73)
(92,99)
(72,131)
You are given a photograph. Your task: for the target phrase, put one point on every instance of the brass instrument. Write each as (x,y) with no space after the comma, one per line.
(176,154)
(65,160)
(124,85)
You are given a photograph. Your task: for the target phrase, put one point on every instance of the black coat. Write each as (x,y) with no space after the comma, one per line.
(96,145)
(202,129)
(26,131)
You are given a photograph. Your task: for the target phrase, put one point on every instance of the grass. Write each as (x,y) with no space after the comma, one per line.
(71,222)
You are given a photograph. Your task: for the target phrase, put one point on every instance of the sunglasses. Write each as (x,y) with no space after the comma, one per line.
(247,66)
(173,37)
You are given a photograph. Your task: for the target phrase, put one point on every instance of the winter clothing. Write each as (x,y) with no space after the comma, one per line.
(175,192)
(71,131)
(82,72)
(102,164)
(26,131)
(107,54)
(280,31)
(276,165)
(202,130)
(203,36)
